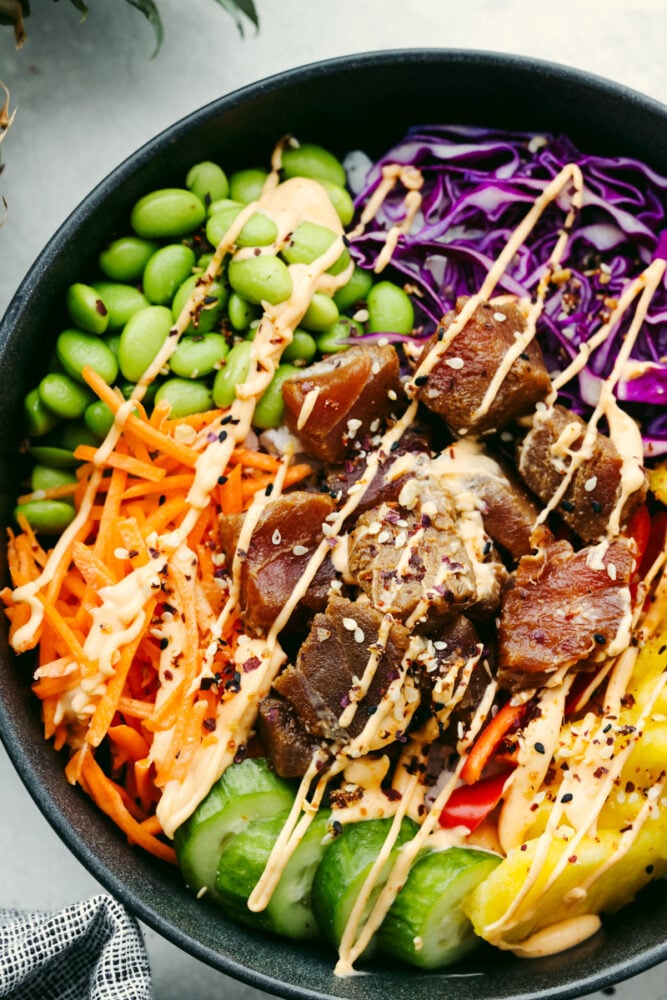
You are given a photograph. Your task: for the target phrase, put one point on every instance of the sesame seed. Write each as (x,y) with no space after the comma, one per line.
(392,394)
(455,363)
(590,484)
(401,539)
(375,368)
(299,550)
(611,571)
(358,635)
(121,553)
(276,537)
(567,797)
(350,624)
(499,317)
(540,747)
(384,537)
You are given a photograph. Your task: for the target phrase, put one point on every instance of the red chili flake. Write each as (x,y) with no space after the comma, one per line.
(572,859)
(392,794)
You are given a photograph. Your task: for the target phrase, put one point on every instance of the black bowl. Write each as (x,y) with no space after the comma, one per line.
(364,102)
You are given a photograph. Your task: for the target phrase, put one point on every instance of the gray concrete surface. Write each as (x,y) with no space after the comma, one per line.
(88,94)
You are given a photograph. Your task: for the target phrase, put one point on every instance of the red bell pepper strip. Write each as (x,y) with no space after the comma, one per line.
(487,741)
(468,805)
(639,529)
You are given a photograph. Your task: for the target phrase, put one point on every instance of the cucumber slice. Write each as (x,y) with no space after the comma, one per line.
(426,925)
(246,791)
(344,868)
(242,862)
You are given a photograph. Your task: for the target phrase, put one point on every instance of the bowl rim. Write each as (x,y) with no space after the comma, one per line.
(10,735)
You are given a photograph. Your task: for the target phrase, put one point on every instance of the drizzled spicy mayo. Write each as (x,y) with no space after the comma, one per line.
(259,660)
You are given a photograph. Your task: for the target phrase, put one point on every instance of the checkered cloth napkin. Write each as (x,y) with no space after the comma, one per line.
(91,950)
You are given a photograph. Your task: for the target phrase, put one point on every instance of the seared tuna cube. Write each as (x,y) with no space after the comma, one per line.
(509,514)
(415,441)
(419,559)
(288,746)
(331,663)
(456,386)
(332,404)
(453,653)
(595,487)
(285,537)
(564,608)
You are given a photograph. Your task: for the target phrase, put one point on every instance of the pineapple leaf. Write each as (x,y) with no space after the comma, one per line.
(149,9)
(237,8)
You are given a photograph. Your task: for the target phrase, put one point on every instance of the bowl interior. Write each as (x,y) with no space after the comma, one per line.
(358,102)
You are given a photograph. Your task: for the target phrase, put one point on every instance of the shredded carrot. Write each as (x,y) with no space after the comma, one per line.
(108,704)
(254,460)
(231,492)
(294,475)
(127,739)
(52,493)
(106,794)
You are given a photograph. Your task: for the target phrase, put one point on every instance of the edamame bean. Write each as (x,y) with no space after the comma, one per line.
(271,407)
(86,308)
(240,312)
(46,477)
(38,418)
(127,388)
(259,231)
(302,348)
(50,454)
(76,350)
(141,340)
(167,213)
(260,279)
(309,241)
(98,419)
(234,372)
(122,301)
(221,203)
(208,181)
(310,160)
(246,185)
(389,309)
(198,355)
(209,312)
(333,340)
(73,433)
(112,340)
(321,314)
(341,201)
(165,271)
(125,258)
(63,395)
(355,291)
(185,396)
(49,517)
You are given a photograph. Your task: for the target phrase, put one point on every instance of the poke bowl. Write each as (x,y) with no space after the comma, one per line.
(364,103)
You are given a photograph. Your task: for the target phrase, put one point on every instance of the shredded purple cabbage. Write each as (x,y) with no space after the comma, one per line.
(478,185)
